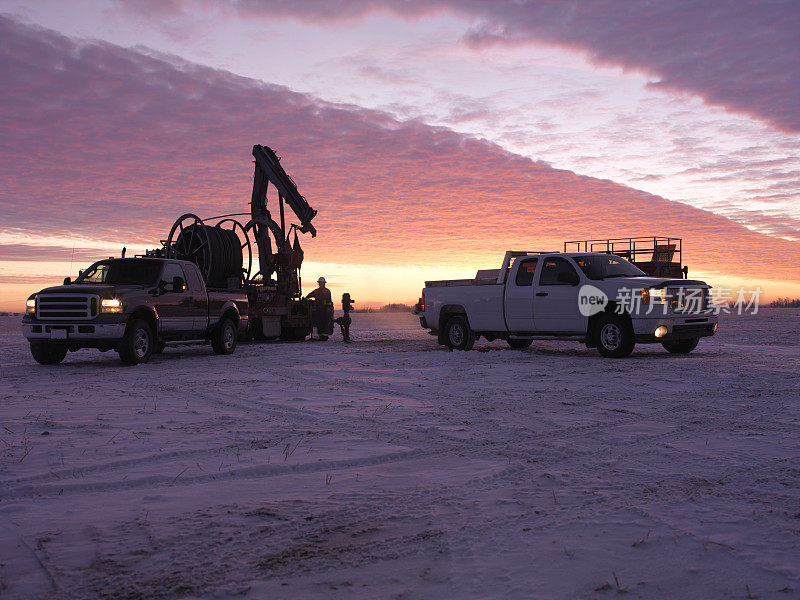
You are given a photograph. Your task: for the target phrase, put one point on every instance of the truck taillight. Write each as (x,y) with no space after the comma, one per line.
(422,302)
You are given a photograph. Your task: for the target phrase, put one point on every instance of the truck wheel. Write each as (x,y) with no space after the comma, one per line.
(138,343)
(458,335)
(47,353)
(223,339)
(519,344)
(614,336)
(681,346)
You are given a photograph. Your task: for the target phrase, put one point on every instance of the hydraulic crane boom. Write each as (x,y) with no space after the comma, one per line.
(225,249)
(268,163)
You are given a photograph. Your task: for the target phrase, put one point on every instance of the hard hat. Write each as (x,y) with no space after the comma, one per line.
(321,280)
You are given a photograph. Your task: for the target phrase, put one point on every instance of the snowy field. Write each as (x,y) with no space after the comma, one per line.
(392,468)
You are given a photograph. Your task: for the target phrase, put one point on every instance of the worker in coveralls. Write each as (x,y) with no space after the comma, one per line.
(323,309)
(344,321)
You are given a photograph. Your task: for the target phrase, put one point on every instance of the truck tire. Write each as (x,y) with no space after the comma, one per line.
(614,336)
(519,344)
(48,353)
(457,334)
(138,343)
(224,336)
(680,346)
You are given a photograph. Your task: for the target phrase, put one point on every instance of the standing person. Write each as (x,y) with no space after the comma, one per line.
(323,309)
(344,321)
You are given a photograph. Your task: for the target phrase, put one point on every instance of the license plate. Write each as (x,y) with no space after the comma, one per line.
(58,334)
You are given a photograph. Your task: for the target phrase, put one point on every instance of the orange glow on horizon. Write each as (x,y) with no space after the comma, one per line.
(371,286)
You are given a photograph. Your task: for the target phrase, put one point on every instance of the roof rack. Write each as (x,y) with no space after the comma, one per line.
(659,256)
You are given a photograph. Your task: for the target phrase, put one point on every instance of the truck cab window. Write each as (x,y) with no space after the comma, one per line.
(195,281)
(557,271)
(132,271)
(172,270)
(95,274)
(525,272)
(600,266)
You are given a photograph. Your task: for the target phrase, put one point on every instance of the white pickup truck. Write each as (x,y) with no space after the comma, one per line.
(596,298)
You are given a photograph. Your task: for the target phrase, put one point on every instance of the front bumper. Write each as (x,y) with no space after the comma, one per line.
(73,332)
(678,327)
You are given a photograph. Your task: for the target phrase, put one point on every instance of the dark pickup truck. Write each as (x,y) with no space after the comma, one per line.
(134,306)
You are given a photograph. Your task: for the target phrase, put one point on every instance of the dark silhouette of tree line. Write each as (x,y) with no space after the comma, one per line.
(394,307)
(785,303)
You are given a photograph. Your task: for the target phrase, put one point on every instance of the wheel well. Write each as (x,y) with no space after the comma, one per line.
(611,308)
(446,313)
(146,315)
(451,310)
(232,314)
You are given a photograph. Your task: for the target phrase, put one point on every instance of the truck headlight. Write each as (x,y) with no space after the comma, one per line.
(110,305)
(658,294)
(30,305)
(660,331)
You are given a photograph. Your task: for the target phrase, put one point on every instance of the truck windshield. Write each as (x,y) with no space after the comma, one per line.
(602,266)
(131,271)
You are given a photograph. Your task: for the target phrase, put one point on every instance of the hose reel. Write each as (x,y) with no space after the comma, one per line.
(219,251)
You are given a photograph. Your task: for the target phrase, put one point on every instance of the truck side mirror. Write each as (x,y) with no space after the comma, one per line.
(178,284)
(67,281)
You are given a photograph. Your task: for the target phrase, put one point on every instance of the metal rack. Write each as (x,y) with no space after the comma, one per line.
(659,256)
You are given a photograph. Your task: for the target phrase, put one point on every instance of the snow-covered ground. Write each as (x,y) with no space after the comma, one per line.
(394,468)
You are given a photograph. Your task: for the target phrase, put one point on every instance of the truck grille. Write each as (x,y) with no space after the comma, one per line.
(67,307)
(688,300)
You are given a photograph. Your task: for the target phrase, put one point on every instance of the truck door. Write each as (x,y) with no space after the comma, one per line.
(555,301)
(174,307)
(198,299)
(518,303)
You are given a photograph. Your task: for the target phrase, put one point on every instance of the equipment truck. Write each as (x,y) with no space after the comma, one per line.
(598,298)
(201,284)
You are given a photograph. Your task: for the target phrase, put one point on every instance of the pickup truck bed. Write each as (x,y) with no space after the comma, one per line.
(459,282)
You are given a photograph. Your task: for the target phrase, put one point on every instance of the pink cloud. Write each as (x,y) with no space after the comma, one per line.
(28,252)
(107,143)
(744,56)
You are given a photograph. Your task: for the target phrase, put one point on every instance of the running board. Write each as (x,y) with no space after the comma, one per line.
(568,338)
(195,342)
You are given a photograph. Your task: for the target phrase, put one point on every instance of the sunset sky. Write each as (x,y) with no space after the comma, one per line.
(431,135)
